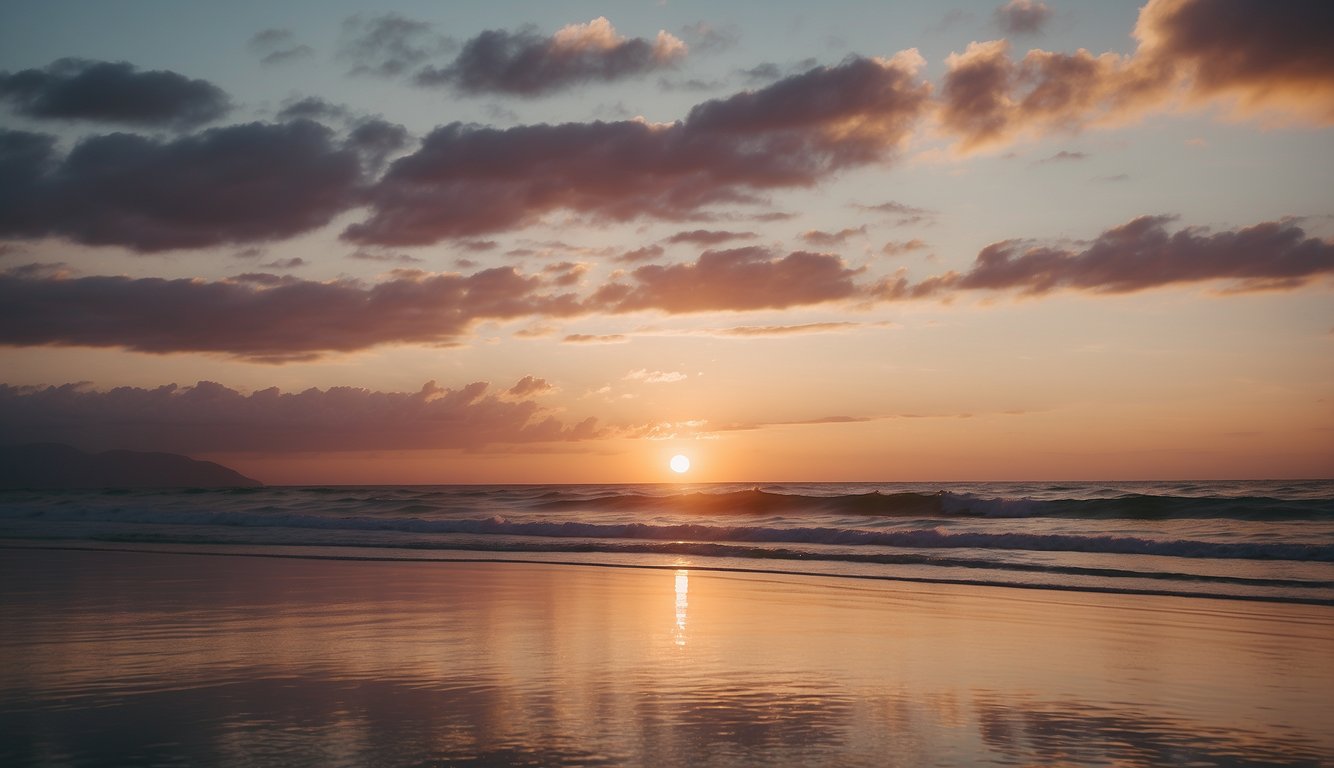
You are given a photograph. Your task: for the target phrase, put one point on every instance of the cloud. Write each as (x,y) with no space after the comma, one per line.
(565,273)
(277,46)
(707,38)
(642,254)
(112,92)
(375,141)
(210,417)
(752,331)
(1260,56)
(896,247)
(389,45)
(823,239)
(589,338)
(1064,157)
(768,71)
(312,108)
(908,215)
(530,385)
(765,72)
(691,85)
(241,183)
(361,254)
(1252,58)
(655,377)
(265,318)
(708,236)
(737,279)
(524,63)
(1023,17)
(1139,255)
(465,180)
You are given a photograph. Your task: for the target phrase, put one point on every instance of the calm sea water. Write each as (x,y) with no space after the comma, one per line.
(301,627)
(1251,540)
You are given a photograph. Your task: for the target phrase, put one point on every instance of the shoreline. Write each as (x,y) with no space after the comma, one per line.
(424,555)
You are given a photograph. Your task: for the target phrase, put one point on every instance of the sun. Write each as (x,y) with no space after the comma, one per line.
(680,464)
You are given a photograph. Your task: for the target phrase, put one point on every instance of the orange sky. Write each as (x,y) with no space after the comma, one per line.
(1038,242)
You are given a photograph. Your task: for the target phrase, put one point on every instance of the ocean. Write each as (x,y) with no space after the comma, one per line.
(1253,540)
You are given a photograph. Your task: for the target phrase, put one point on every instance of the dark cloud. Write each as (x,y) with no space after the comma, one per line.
(765,72)
(1023,17)
(312,108)
(708,236)
(375,141)
(264,317)
(768,71)
(361,254)
(466,180)
(269,39)
(292,263)
(210,417)
(277,46)
(737,279)
(242,183)
(823,239)
(1250,57)
(525,63)
(1262,55)
(389,45)
(1139,255)
(78,89)
(642,254)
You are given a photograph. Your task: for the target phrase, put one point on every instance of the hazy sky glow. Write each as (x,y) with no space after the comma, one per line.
(324,242)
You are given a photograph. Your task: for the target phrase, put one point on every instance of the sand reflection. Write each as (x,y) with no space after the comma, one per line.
(140,659)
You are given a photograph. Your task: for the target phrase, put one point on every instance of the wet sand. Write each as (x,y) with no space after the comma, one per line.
(116,658)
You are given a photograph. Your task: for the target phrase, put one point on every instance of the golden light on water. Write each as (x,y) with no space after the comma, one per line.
(682,604)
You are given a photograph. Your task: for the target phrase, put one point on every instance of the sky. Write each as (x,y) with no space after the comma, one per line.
(422,242)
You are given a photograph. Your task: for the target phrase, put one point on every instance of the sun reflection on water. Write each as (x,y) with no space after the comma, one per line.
(682,604)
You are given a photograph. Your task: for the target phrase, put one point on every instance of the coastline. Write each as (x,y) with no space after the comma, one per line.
(507,662)
(811,569)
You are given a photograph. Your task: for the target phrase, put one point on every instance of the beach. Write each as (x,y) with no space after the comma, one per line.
(160,658)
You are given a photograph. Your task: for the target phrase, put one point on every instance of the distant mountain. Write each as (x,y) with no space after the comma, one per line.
(56,466)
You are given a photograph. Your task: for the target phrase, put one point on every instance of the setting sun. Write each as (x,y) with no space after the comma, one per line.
(680,464)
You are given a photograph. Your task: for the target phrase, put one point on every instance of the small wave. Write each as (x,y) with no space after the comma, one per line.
(945,504)
(911,538)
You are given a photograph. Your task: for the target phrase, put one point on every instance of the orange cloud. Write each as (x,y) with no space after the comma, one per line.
(736,279)
(1255,57)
